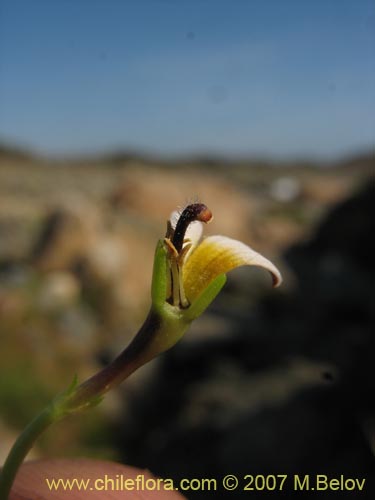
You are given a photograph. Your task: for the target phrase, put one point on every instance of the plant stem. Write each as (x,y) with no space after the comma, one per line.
(21,447)
(137,353)
(145,345)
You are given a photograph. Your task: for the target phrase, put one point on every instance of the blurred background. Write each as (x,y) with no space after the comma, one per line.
(112,114)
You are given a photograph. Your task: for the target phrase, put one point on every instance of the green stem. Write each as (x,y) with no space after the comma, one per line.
(137,353)
(21,447)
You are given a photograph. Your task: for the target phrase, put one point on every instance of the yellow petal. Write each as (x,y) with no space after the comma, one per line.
(217,255)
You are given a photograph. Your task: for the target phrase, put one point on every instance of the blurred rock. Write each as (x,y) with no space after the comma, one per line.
(285,189)
(76,242)
(326,189)
(68,233)
(58,290)
(107,258)
(77,327)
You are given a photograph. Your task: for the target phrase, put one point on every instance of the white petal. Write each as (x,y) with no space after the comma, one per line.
(193,232)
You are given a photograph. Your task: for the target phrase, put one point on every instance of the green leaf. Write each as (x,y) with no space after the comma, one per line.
(72,386)
(205,298)
(159,276)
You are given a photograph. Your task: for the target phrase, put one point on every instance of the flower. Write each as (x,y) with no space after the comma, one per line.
(188,274)
(194,270)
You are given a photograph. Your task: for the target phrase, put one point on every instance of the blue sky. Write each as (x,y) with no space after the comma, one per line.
(241,77)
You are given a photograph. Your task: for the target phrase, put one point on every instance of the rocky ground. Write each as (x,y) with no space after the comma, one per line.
(76,248)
